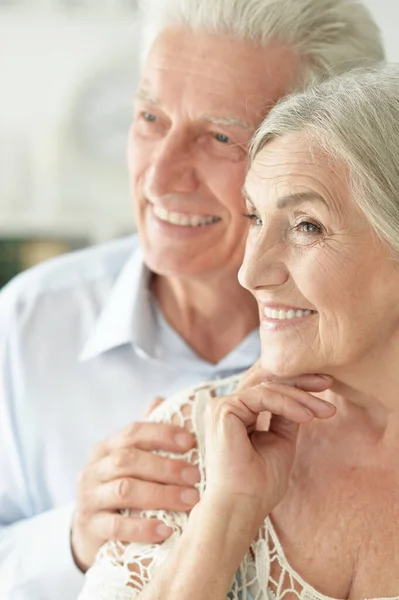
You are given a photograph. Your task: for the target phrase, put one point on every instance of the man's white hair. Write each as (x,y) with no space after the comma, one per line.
(330,36)
(355,119)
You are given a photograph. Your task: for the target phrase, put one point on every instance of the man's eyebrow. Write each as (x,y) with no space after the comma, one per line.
(143,94)
(228,121)
(290,198)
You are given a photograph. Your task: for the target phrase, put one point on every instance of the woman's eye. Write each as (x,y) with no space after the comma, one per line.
(307,227)
(223,139)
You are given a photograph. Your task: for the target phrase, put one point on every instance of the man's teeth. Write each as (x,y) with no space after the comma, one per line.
(183,220)
(273,313)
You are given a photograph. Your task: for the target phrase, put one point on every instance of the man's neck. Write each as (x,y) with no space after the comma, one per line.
(213,315)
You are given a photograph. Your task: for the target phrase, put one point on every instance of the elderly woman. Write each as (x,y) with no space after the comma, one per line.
(308,508)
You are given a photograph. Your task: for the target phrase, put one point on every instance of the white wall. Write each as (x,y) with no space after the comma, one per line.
(62,166)
(386,13)
(63,77)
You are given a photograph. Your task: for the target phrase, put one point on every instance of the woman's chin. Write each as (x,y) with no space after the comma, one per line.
(281,366)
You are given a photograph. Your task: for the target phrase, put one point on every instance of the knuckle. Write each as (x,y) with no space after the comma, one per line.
(121,459)
(115,523)
(124,489)
(223,409)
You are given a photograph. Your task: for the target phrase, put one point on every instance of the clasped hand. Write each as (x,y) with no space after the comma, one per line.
(244,461)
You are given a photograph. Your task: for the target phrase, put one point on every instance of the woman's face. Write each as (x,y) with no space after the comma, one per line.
(326,286)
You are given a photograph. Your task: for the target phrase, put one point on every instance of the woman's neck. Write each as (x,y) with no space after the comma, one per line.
(213,315)
(369,392)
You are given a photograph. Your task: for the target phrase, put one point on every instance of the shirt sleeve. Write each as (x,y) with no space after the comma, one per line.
(35,556)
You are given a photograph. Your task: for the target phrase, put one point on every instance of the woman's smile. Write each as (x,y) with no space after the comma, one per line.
(275,318)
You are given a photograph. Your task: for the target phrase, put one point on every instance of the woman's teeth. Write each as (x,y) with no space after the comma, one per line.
(183,220)
(273,313)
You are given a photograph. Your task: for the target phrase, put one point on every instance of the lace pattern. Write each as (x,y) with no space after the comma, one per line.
(121,570)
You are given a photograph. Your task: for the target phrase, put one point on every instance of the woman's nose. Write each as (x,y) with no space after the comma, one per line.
(263,265)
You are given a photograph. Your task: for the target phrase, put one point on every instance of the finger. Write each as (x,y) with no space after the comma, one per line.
(133,462)
(283,428)
(144,495)
(248,405)
(113,526)
(310,382)
(280,399)
(154,404)
(320,408)
(147,436)
(156,436)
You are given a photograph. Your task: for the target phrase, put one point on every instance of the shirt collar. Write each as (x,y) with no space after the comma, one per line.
(128,314)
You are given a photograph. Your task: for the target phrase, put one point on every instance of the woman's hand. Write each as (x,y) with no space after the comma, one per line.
(247,465)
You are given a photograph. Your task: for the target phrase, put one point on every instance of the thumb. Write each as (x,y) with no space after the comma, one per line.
(154,404)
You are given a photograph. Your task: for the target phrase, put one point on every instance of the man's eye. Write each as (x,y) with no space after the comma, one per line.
(147,116)
(223,139)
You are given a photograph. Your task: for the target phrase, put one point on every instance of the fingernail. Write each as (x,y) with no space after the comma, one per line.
(190,497)
(190,475)
(164,531)
(184,440)
(329,404)
(308,411)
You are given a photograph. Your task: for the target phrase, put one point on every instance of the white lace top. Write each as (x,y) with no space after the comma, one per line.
(122,570)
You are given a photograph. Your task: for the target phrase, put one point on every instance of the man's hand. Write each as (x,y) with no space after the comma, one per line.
(123,473)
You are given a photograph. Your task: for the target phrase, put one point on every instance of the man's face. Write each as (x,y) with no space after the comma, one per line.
(200,99)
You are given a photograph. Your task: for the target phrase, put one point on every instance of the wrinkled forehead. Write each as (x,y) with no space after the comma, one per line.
(294,163)
(203,61)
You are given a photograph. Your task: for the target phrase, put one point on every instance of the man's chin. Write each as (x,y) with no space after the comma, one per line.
(167,264)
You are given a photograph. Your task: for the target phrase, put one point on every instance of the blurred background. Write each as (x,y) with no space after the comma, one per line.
(68,69)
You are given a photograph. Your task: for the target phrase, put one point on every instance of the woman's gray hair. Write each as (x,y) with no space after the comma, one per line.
(330,36)
(354,118)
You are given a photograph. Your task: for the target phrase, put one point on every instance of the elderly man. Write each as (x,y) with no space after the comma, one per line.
(90,339)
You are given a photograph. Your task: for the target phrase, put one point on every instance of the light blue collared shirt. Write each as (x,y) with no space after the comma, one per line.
(83,351)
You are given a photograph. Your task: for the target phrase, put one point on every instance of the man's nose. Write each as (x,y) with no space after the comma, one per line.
(172,167)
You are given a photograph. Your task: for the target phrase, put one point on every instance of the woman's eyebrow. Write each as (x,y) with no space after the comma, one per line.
(291,198)
(299,197)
